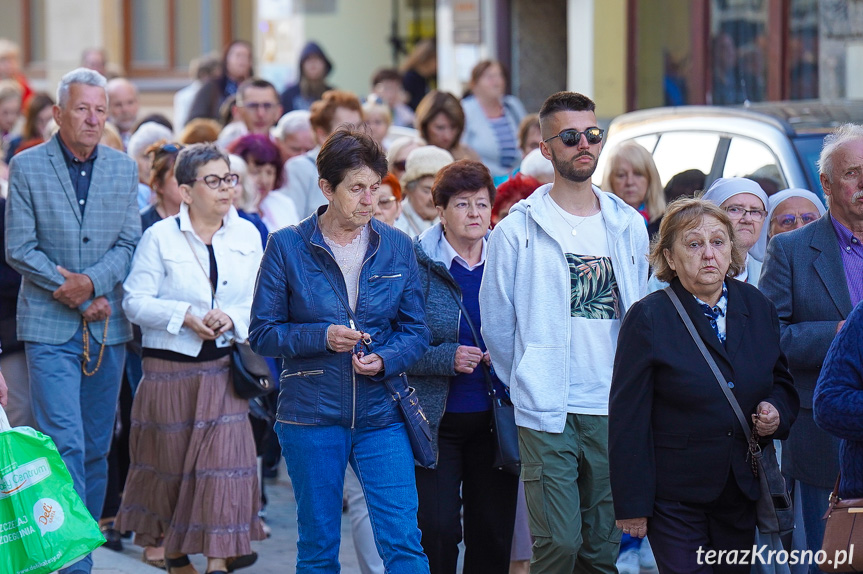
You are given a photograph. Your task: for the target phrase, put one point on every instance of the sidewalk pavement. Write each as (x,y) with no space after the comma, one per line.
(278,554)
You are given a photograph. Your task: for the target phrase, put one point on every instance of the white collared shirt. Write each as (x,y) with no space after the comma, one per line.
(449,254)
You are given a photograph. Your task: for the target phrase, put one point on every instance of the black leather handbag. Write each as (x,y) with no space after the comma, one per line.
(506,454)
(416,423)
(249,372)
(773,509)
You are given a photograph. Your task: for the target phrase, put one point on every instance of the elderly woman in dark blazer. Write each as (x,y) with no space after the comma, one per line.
(453,388)
(677,455)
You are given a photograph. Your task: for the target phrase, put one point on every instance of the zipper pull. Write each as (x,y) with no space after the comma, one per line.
(351,322)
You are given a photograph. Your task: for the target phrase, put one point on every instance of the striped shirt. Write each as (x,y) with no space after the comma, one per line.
(852,260)
(505,136)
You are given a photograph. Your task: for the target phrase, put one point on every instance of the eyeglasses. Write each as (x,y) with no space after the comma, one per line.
(572,137)
(255,106)
(385,202)
(214,181)
(788,221)
(737,212)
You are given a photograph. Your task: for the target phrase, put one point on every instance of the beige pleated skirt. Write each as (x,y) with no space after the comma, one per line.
(193,475)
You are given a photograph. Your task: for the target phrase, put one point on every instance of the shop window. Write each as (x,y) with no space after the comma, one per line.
(163,36)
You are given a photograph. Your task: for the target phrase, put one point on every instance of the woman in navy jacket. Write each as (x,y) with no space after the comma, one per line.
(677,455)
(333,407)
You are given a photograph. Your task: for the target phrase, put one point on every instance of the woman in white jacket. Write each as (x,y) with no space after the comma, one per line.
(192,481)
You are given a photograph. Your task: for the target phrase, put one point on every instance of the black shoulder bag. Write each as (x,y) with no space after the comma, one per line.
(416,423)
(506,455)
(773,508)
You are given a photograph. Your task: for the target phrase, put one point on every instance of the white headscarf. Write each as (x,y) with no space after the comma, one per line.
(774,201)
(726,187)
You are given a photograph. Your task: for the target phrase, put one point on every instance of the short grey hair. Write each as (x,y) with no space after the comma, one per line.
(146,135)
(291,123)
(192,157)
(84,76)
(839,137)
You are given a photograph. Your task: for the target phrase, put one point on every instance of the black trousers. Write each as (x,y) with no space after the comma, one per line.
(687,538)
(465,477)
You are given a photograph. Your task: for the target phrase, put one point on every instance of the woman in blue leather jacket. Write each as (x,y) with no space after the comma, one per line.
(333,407)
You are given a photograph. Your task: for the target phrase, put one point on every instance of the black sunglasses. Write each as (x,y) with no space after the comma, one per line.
(571,137)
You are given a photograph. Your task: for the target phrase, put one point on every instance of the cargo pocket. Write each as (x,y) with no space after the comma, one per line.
(534,494)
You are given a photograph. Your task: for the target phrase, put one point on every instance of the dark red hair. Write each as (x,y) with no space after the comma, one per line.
(259,149)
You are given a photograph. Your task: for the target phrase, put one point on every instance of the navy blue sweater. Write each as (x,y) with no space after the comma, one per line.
(467,393)
(838,401)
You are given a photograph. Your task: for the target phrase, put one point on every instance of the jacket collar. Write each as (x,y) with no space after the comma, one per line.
(736,320)
(828,264)
(186,223)
(311,229)
(432,242)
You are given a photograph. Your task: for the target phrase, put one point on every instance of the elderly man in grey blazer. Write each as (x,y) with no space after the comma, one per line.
(72,224)
(814,276)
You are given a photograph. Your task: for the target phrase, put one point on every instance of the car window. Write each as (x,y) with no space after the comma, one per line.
(680,151)
(753,159)
(648,142)
(809,149)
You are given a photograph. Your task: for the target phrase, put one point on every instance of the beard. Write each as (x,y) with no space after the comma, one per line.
(569,171)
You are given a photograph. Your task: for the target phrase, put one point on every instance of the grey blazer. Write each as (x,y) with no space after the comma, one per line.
(45,228)
(804,277)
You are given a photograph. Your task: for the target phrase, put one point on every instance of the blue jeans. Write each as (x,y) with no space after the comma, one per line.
(77,412)
(317,457)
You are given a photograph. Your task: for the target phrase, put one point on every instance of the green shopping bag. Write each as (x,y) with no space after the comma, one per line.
(44,525)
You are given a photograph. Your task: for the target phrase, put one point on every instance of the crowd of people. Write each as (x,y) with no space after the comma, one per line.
(413,237)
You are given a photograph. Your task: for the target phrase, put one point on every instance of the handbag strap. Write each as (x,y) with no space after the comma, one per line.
(723,384)
(485,370)
(354,323)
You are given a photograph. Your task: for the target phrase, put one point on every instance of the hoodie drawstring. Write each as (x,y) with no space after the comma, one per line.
(527,227)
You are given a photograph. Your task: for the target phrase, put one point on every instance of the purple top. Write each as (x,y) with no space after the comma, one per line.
(852,260)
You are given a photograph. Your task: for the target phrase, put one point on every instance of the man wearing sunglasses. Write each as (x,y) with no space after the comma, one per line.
(562,270)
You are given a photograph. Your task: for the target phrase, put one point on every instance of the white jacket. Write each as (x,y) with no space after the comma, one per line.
(524,301)
(166,281)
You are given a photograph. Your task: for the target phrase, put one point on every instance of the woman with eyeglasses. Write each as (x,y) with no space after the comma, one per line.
(452,381)
(192,479)
(389,205)
(791,209)
(744,201)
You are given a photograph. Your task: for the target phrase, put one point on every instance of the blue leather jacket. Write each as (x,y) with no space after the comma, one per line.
(294,305)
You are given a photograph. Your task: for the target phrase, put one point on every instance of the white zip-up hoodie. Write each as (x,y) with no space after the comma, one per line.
(524,301)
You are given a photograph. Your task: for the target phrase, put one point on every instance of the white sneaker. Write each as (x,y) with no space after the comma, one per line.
(645,557)
(627,562)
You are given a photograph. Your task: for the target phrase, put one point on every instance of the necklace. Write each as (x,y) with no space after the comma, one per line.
(559,211)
